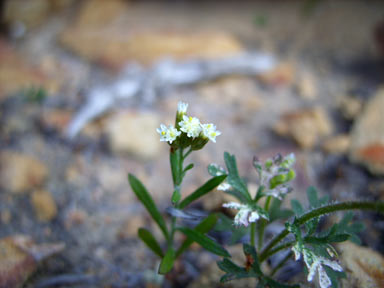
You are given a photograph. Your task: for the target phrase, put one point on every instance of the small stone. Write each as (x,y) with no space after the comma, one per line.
(365,267)
(56,119)
(130,226)
(19,172)
(282,75)
(75,216)
(305,126)
(367,136)
(134,133)
(337,144)
(44,205)
(19,258)
(5,216)
(350,107)
(307,86)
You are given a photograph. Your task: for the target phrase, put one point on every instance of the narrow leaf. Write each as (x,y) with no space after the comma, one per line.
(205,241)
(150,241)
(143,195)
(312,197)
(250,253)
(166,264)
(203,227)
(202,190)
(296,207)
(233,176)
(189,167)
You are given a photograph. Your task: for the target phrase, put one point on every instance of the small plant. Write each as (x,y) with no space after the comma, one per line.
(186,136)
(303,237)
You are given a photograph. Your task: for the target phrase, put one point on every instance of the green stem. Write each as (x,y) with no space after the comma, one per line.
(253,232)
(186,154)
(353,205)
(281,264)
(263,223)
(277,249)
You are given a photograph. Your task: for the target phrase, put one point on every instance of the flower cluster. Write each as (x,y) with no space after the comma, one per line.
(188,130)
(315,264)
(246,214)
(275,174)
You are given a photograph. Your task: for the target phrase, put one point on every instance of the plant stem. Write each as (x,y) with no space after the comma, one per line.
(262,225)
(277,249)
(186,154)
(253,232)
(281,264)
(353,205)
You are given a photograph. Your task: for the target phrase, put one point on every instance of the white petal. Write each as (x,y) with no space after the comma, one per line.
(234,205)
(224,186)
(312,270)
(324,280)
(254,216)
(333,264)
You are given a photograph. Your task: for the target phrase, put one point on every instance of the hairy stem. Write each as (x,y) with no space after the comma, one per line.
(262,225)
(353,205)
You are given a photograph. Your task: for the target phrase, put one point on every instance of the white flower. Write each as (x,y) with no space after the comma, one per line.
(191,126)
(182,107)
(163,130)
(245,215)
(168,134)
(209,131)
(172,134)
(224,186)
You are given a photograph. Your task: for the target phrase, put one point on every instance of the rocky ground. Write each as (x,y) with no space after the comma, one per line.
(68,200)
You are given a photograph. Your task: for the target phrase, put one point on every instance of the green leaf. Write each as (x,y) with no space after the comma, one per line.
(216,170)
(143,195)
(166,264)
(150,241)
(297,208)
(204,241)
(202,190)
(233,176)
(275,212)
(232,270)
(189,167)
(344,226)
(203,227)
(312,196)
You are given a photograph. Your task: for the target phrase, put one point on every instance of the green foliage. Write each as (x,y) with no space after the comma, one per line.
(143,195)
(150,241)
(234,179)
(166,263)
(202,190)
(204,241)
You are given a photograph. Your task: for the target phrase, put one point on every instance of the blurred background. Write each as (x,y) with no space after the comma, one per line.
(84,85)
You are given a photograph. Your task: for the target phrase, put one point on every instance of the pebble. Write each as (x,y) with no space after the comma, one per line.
(44,205)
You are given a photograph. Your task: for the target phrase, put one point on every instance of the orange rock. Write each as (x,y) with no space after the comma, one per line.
(57,119)
(367,136)
(305,126)
(44,205)
(364,267)
(19,173)
(19,257)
